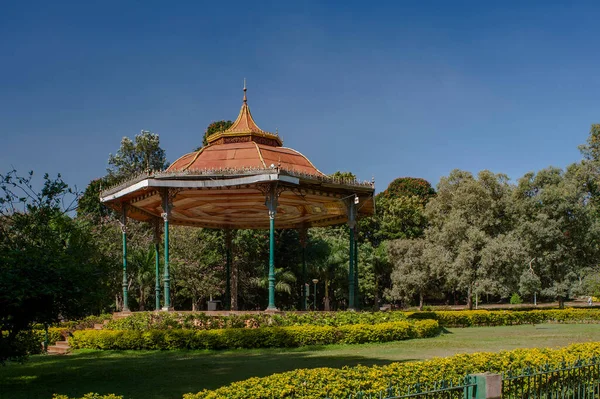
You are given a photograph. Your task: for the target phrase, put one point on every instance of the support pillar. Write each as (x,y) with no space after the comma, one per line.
(351,208)
(356,285)
(124,234)
(157,264)
(272,203)
(303,243)
(228,269)
(166,206)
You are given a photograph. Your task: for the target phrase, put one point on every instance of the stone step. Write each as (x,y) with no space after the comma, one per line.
(62,344)
(58,350)
(98,326)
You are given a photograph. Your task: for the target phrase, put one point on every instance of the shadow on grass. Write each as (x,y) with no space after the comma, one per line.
(155,374)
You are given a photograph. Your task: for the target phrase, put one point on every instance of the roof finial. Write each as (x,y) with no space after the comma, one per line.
(245,99)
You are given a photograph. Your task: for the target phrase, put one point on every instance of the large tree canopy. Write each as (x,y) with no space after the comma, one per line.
(50,266)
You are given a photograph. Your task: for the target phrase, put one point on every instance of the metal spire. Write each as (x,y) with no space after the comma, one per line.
(245,99)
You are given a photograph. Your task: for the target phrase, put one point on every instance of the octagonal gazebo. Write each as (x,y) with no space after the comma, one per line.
(243,179)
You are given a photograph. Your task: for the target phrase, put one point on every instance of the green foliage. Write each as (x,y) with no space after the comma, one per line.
(90,395)
(341,383)
(515,299)
(144,321)
(409,187)
(261,337)
(415,263)
(49,264)
(141,154)
(480,318)
(215,127)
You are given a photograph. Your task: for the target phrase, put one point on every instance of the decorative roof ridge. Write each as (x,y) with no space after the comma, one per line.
(260,154)
(305,157)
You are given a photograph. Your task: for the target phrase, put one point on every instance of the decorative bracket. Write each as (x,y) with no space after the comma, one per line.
(272,191)
(123,220)
(168,195)
(351,210)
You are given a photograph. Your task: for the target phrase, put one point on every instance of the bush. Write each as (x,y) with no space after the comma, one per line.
(90,395)
(448,318)
(31,341)
(201,321)
(472,318)
(340,383)
(262,337)
(515,299)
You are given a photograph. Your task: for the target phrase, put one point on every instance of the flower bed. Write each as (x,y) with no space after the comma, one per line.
(262,337)
(340,383)
(468,318)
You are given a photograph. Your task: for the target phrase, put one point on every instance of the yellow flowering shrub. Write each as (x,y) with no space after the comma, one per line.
(470,318)
(263,337)
(90,395)
(339,383)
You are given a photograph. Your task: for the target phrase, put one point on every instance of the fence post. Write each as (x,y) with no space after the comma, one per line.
(487,386)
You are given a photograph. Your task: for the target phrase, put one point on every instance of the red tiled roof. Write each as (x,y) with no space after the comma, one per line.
(244,155)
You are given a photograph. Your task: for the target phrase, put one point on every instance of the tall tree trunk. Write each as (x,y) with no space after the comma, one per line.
(470,297)
(421,300)
(326,299)
(376,302)
(194,304)
(142,299)
(561,302)
(234,287)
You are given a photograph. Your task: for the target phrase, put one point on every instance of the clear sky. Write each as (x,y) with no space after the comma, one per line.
(384,89)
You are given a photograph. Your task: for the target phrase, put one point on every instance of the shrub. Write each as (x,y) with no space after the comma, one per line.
(262,337)
(340,383)
(471,318)
(515,299)
(200,321)
(90,395)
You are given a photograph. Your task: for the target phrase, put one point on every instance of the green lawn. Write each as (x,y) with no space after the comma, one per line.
(151,374)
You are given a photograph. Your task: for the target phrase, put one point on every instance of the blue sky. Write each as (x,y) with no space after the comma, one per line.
(384,89)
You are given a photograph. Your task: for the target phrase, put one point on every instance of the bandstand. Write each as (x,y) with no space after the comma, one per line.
(243,179)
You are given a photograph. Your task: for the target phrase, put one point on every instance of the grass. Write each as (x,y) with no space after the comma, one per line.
(166,375)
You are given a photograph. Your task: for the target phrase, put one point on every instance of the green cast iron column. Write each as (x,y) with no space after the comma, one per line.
(356,286)
(124,234)
(228,270)
(166,279)
(157,276)
(271,202)
(271,261)
(351,207)
(351,272)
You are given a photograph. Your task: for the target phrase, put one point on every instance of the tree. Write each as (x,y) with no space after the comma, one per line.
(49,264)
(418,269)
(558,227)
(465,216)
(197,260)
(409,187)
(140,155)
(214,127)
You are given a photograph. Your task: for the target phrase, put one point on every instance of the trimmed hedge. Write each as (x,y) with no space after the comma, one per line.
(144,321)
(340,383)
(471,318)
(263,337)
(90,395)
(468,318)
